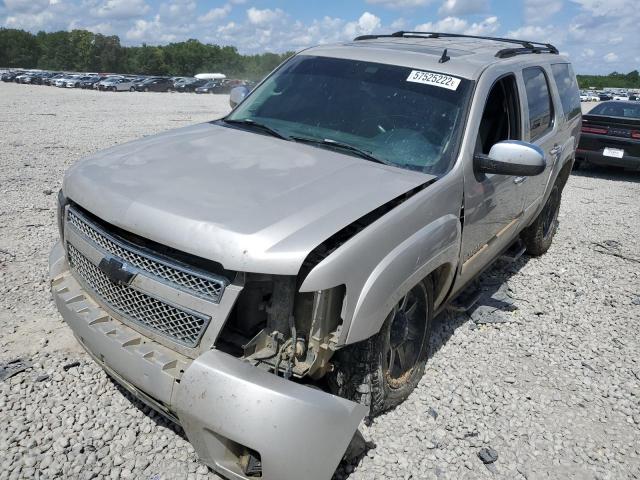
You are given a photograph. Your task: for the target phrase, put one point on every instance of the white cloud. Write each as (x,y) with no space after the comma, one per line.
(397,4)
(463,7)
(610,57)
(262,17)
(599,8)
(459,25)
(617,40)
(215,14)
(26,6)
(588,52)
(366,24)
(536,11)
(122,9)
(534,33)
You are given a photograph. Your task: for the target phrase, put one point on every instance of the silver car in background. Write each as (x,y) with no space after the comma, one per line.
(268,279)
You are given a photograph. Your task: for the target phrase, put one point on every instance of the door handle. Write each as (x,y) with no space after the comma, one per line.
(555,150)
(518,180)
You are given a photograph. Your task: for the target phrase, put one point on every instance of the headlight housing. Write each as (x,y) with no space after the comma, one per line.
(62,203)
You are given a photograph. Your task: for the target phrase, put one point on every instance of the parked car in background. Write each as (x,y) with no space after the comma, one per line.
(74,82)
(89,82)
(61,82)
(621,97)
(190,85)
(41,78)
(605,97)
(157,84)
(10,76)
(118,85)
(208,87)
(611,135)
(51,80)
(108,82)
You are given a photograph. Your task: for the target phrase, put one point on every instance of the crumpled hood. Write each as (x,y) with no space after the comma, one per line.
(251,202)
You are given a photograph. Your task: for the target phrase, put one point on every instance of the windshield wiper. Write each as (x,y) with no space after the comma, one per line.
(260,126)
(327,142)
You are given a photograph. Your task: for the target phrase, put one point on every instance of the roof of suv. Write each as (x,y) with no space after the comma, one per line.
(468,56)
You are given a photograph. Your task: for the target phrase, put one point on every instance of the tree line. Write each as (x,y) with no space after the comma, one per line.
(613,80)
(84,51)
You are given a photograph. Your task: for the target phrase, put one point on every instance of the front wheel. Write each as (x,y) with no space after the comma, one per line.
(538,236)
(383,370)
(132,89)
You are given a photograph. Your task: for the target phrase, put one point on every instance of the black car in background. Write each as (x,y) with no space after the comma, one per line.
(42,78)
(156,84)
(10,76)
(90,81)
(611,135)
(189,85)
(208,87)
(605,97)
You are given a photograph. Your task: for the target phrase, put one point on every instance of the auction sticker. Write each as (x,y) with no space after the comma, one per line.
(435,79)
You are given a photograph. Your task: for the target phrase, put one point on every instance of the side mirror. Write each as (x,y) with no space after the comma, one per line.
(236,95)
(511,157)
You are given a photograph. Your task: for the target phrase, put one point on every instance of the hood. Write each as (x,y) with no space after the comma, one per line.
(251,202)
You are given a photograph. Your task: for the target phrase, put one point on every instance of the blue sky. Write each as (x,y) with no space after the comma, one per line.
(600,35)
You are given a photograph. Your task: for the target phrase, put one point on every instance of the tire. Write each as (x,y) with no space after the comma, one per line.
(114,89)
(538,236)
(369,373)
(132,89)
(146,89)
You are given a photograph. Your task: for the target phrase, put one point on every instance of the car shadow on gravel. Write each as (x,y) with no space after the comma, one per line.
(493,306)
(607,173)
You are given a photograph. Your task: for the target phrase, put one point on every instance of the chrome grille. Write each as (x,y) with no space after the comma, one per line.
(201,285)
(181,325)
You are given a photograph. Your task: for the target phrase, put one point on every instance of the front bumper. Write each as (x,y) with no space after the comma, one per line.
(224,404)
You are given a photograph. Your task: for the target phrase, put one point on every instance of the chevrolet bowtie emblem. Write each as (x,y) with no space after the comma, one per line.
(116,271)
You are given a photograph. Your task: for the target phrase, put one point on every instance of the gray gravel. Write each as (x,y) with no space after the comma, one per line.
(541,381)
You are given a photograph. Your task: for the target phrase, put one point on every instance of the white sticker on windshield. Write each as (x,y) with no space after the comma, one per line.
(435,79)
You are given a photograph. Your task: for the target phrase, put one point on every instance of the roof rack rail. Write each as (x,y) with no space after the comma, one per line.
(525,45)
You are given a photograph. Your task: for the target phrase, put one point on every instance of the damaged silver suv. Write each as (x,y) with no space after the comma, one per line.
(268,279)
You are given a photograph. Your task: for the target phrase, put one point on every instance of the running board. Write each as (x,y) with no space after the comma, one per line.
(514,252)
(467,299)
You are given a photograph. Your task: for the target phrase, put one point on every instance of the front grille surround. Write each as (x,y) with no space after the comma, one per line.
(180,324)
(207,286)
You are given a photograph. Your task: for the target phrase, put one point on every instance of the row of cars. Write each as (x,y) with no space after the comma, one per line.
(120,83)
(596,96)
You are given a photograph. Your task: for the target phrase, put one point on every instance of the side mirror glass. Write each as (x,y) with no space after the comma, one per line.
(511,157)
(236,95)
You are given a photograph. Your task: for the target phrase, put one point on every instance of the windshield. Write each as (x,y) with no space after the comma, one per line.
(397,116)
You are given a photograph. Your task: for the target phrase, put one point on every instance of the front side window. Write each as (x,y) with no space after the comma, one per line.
(567,88)
(539,102)
(372,107)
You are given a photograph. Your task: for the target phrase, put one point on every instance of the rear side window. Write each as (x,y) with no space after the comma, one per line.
(568,89)
(539,102)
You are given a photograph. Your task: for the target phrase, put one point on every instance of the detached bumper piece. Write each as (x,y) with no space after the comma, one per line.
(243,422)
(227,406)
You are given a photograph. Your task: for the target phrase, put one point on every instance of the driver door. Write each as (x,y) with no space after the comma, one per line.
(493,204)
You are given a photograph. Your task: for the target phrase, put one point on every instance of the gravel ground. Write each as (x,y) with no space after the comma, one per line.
(545,373)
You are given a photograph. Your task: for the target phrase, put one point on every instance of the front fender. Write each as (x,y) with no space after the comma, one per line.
(431,247)
(384,261)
